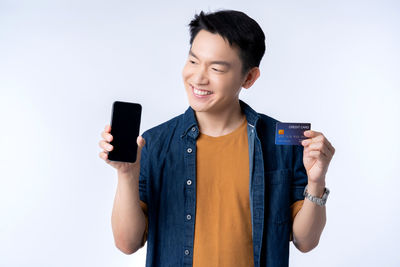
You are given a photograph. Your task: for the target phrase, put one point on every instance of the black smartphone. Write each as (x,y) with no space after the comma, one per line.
(125,125)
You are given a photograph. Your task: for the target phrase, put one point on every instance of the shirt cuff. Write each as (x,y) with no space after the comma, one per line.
(144,208)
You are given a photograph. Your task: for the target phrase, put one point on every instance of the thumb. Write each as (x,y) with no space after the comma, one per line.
(141,142)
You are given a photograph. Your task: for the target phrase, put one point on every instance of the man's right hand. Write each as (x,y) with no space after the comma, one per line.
(122,167)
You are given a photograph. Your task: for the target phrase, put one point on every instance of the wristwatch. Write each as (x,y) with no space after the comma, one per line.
(319,201)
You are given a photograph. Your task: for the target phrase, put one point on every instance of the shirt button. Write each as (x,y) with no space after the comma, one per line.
(189,182)
(189,150)
(187,252)
(193,129)
(188,217)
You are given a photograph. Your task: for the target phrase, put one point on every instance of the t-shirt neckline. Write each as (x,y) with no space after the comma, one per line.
(234,132)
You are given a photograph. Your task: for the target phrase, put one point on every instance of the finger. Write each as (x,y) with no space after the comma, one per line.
(313,137)
(309,141)
(316,154)
(306,142)
(108,137)
(103,155)
(322,138)
(106,146)
(141,142)
(101,143)
(311,133)
(321,146)
(107,129)
(317,138)
(331,148)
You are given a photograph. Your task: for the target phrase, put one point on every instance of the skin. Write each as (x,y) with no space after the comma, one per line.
(311,219)
(220,113)
(128,219)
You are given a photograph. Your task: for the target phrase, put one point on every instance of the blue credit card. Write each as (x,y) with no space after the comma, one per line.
(291,133)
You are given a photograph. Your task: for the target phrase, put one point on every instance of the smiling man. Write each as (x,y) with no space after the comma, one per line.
(214,188)
(213,80)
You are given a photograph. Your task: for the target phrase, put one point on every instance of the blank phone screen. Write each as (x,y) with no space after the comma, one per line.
(125,124)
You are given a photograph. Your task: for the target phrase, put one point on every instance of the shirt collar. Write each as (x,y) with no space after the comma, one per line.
(190,122)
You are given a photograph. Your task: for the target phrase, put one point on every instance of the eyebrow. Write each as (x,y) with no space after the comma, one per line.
(219,62)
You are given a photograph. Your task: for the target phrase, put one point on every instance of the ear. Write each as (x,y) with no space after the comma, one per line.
(251,77)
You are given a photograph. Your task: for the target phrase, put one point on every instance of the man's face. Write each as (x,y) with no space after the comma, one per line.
(212,73)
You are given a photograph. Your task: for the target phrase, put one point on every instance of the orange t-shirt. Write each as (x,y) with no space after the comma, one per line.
(223,233)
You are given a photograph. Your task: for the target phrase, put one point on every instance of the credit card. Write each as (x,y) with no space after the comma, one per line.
(291,133)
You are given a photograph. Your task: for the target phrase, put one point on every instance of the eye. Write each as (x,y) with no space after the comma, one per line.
(191,61)
(217,70)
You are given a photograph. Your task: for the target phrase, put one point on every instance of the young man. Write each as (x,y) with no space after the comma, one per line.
(210,187)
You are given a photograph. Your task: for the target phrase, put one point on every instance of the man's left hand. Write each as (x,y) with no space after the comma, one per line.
(317,155)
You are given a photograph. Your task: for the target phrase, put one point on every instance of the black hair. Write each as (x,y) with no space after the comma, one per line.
(236,27)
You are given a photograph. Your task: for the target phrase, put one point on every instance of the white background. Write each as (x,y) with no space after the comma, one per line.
(334,64)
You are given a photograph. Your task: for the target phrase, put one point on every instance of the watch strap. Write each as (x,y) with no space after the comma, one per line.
(319,201)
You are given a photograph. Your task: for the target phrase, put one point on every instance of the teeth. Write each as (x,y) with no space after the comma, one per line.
(198,92)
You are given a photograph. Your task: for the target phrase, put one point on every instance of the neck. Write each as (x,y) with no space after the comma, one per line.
(220,122)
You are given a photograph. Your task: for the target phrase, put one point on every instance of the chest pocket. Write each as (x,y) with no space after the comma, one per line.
(278,195)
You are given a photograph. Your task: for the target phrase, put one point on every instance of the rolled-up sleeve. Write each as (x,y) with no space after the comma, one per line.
(144,208)
(143,178)
(300,178)
(299,182)
(294,209)
(144,170)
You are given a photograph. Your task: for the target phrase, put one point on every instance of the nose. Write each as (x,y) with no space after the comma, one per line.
(200,76)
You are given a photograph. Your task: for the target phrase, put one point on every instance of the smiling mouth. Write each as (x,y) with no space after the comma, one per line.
(200,92)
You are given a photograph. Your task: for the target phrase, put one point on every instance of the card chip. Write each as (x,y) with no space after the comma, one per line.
(281,132)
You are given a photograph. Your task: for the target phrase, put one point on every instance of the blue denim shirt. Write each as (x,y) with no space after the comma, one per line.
(167,184)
